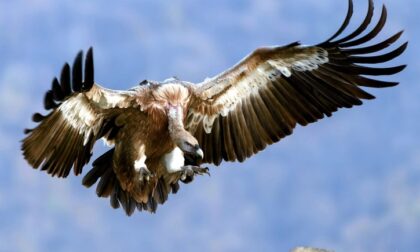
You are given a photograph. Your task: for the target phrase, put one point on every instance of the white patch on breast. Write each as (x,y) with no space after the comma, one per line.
(174,160)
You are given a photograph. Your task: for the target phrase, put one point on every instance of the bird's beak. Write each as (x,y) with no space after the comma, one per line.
(194,151)
(200,153)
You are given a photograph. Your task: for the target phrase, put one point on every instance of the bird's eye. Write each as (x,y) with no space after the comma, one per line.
(188,144)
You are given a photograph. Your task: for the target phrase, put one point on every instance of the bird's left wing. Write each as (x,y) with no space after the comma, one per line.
(262,98)
(81,112)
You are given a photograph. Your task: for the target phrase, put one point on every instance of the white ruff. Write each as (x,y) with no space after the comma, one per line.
(174,160)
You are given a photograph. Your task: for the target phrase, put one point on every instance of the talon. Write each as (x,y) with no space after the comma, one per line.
(201,170)
(183,176)
(188,172)
(144,174)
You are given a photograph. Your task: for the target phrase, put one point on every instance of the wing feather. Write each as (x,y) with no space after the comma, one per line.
(375,31)
(257,127)
(362,26)
(82,112)
(345,22)
(260,100)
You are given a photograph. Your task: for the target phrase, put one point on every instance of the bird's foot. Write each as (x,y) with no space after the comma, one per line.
(187,172)
(143,174)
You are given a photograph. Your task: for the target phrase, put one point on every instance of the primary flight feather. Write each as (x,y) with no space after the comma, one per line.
(162,132)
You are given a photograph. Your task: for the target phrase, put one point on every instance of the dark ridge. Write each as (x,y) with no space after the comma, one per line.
(143,82)
(296,43)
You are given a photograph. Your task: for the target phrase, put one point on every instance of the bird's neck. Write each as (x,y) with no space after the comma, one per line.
(175,120)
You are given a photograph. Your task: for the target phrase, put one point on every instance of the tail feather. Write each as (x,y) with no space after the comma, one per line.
(127,202)
(100,166)
(108,186)
(105,185)
(161,192)
(115,203)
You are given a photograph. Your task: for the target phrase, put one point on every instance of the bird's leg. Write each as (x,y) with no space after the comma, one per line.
(189,171)
(175,162)
(142,173)
(186,144)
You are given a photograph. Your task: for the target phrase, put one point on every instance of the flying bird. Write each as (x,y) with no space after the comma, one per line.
(162,133)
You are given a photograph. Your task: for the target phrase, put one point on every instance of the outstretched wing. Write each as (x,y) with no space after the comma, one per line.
(82,112)
(262,98)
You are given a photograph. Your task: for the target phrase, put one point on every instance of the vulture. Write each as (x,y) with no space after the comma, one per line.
(162,133)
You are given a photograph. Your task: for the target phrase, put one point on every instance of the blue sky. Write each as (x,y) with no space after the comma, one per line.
(348,183)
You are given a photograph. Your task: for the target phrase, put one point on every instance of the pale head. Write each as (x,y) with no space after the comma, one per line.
(188,143)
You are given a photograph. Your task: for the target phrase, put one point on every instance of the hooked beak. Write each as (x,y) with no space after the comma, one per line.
(200,153)
(194,152)
(197,152)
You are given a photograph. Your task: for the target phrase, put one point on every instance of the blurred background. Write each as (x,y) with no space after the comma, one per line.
(348,183)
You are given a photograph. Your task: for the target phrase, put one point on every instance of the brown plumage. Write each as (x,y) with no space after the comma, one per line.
(160,133)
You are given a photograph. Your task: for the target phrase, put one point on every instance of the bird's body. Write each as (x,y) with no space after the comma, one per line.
(145,138)
(143,125)
(161,133)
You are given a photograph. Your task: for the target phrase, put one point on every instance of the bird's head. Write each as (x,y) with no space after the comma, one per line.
(189,145)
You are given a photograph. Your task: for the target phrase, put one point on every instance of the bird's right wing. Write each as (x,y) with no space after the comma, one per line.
(262,98)
(82,112)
